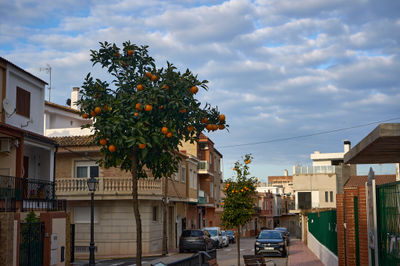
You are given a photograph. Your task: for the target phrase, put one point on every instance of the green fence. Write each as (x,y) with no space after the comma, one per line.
(388,205)
(322,226)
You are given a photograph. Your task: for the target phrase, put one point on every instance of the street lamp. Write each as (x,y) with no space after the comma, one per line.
(92,185)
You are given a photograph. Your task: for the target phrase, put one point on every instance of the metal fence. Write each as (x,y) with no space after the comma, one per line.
(322,225)
(201,258)
(388,210)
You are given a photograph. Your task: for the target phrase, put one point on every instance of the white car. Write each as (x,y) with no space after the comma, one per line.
(216,235)
(225,239)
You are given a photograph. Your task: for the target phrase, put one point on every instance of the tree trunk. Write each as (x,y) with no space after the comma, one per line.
(238,246)
(134,172)
(165,216)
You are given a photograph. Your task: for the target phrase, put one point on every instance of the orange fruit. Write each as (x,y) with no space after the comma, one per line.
(182,111)
(221,126)
(148,108)
(169,134)
(97,110)
(209,127)
(165,86)
(164,130)
(148,74)
(106,107)
(130,52)
(242,190)
(112,148)
(92,113)
(214,127)
(103,142)
(86,116)
(194,89)
(190,128)
(221,117)
(204,120)
(138,106)
(142,145)
(139,87)
(233,191)
(136,114)
(154,78)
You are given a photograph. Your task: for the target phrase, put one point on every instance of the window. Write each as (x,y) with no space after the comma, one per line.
(331,194)
(176,175)
(86,169)
(212,189)
(155,211)
(23,106)
(326,196)
(183,174)
(210,158)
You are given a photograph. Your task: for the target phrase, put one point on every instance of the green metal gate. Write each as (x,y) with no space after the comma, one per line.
(388,210)
(31,244)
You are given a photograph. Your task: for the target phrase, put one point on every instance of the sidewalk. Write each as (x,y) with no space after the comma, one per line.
(300,255)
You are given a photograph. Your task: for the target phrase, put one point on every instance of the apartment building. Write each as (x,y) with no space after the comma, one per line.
(316,186)
(285,181)
(27,172)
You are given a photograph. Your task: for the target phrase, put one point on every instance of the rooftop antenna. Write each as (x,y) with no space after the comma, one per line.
(47,69)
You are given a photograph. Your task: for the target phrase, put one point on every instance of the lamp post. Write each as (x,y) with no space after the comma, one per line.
(92,185)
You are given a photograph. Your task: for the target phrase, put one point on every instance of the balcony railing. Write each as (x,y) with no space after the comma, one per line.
(108,186)
(324,169)
(35,194)
(203,167)
(203,198)
(257,210)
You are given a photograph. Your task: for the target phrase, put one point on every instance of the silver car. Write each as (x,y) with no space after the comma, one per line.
(225,239)
(216,235)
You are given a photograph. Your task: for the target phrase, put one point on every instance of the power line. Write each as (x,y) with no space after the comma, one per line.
(307,135)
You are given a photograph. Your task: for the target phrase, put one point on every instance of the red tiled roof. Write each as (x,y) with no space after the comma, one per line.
(62,107)
(74,141)
(359,180)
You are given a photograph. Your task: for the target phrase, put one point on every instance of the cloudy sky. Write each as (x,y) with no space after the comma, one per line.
(277,68)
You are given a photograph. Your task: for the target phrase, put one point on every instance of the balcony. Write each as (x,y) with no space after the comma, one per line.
(257,210)
(28,195)
(203,198)
(108,188)
(304,170)
(204,168)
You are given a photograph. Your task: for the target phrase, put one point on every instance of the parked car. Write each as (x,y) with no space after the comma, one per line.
(285,233)
(216,235)
(195,240)
(270,242)
(231,235)
(225,239)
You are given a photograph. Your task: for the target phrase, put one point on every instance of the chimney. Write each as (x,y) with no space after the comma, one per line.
(74,98)
(285,172)
(347,146)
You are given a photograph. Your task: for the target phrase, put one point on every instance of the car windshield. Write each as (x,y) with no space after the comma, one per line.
(213,232)
(229,233)
(192,233)
(270,235)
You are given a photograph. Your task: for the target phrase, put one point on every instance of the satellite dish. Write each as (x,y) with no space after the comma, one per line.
(7,106)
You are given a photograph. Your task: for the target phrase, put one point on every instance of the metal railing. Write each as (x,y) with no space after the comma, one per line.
(324,169)
(203,166)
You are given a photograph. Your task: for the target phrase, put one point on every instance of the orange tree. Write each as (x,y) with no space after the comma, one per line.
(239,199)
(143,114)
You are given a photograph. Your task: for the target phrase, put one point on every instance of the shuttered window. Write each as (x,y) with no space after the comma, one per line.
(23,102)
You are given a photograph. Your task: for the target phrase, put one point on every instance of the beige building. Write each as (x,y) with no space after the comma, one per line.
(285,181)
(316,186)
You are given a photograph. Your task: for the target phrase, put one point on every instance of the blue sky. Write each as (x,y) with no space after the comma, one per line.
(276,68)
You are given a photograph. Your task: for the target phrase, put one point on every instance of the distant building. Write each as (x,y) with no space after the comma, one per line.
(285,181)
(316,186)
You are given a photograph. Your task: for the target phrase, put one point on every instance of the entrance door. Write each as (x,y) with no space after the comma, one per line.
(31,244)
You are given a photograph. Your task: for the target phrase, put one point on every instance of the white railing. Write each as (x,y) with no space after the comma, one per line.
(73,131)
(203,167)
(325,169)
(107,186)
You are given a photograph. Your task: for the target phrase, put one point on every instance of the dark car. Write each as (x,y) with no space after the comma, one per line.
(231,236)
(270,242)
(195,240)
(285,233)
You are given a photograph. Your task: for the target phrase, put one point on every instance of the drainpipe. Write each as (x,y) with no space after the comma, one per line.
(54,171)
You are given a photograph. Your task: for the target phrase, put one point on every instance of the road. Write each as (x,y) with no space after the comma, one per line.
(225,257)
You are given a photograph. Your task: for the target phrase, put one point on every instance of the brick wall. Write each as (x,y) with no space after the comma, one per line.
(6,238)
(347,236)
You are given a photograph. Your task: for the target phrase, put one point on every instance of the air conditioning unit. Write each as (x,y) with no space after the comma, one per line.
(5,145)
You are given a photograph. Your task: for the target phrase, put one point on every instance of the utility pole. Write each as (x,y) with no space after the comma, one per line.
(47,69)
